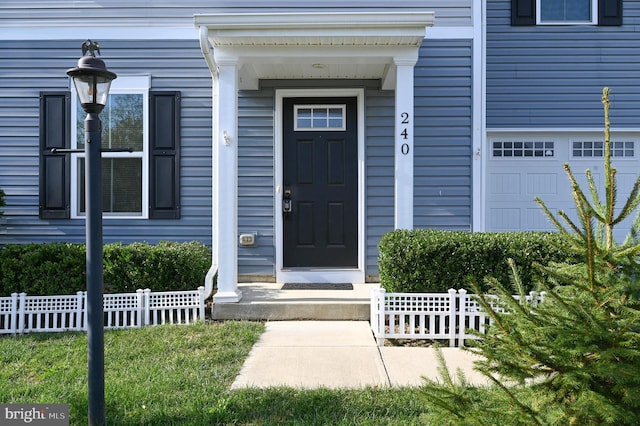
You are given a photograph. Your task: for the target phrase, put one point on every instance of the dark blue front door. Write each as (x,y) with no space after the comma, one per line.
(320,175)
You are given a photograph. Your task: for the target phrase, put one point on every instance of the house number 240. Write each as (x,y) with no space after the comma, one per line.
(404,133)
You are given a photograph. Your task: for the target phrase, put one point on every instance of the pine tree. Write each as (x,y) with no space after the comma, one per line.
(573,358)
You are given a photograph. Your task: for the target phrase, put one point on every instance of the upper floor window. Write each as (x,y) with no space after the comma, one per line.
(567,11)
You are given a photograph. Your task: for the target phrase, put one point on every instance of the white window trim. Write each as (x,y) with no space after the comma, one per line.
(593,21)
(121,85)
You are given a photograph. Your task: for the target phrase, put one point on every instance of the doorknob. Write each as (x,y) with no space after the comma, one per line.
(286,202)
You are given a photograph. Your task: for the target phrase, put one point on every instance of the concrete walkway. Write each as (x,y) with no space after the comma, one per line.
(341,354)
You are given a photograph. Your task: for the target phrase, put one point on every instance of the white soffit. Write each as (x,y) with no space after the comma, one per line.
(346,45)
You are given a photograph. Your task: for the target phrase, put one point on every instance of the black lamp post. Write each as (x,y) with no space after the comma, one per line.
(92,82)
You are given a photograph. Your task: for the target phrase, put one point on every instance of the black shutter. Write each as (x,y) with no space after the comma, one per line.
(54,168)
(610,12)
(164,155)
(523,12)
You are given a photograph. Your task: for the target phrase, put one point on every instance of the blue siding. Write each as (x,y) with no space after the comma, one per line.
(256,181)
(443,135)
(379,162)
(161,13)
(552,76)
(173,65)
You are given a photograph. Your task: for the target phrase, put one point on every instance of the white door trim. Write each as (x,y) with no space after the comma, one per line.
(319,275)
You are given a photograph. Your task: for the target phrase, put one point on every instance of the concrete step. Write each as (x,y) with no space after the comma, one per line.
(267,301)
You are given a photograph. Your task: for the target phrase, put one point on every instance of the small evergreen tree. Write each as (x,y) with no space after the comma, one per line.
(574,358)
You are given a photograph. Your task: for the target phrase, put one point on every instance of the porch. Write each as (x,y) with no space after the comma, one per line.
(269,301)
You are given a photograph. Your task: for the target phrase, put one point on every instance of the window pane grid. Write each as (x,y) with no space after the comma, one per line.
(523,149)
(319,117)
(588,149)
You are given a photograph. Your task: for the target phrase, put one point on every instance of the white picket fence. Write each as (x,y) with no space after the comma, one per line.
(20,313)
(434,316)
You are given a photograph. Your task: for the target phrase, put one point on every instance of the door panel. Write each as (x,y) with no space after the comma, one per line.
(320,169)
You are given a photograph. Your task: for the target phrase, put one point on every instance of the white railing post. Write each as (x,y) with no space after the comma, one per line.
(85,316)
(14,313)
(462,316)
(373,311)
(146,307)
(21,313)
(381,316)
(452,317)
(140,307)
(77,316)
(201,297)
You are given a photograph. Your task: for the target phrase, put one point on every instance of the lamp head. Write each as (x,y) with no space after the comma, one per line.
(91,79)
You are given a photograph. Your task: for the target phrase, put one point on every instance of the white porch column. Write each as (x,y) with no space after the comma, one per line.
(403,213)
(225,202)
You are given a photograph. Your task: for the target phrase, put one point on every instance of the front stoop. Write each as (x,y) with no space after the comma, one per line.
(267,301)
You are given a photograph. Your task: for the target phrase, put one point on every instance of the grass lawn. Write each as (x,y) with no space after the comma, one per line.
(181,375)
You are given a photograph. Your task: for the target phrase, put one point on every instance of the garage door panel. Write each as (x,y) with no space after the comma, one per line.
(538,221)
(542,183)
(505,218)
(504,184)
(625,182)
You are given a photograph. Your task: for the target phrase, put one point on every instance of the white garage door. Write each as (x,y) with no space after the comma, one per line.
(521,168)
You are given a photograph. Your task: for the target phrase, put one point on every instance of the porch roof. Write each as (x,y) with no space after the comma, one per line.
(311,45)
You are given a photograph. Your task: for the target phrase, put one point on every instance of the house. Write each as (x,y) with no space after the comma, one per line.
(291,137)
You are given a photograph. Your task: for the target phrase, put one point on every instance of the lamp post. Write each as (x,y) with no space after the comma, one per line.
(92,82)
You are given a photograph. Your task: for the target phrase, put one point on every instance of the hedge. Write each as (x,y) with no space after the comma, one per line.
(60,268)
(434,261)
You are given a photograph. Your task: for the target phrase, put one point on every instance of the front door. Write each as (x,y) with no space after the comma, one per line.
(320,177)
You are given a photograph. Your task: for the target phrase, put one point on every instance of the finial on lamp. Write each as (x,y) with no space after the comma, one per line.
(91,47)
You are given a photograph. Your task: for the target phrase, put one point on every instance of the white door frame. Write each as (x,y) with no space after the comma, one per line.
(318,275)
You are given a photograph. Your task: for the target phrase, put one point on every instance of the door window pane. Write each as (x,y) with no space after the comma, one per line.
(319,117)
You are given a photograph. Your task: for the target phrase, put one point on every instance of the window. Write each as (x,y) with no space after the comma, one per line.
(586,149)
(142,184)
(124,175)
(319,117)
(523,149)
(566,12)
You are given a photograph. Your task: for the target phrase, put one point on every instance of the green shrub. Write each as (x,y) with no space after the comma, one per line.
(42,269)
(163,267)
(60,268)
(435,261)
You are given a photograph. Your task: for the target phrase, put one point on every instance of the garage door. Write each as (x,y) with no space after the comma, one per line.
(521,168)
